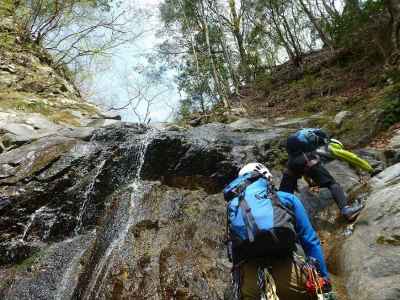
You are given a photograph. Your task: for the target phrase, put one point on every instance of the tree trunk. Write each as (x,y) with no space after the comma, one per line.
(218,85)
(226,52)
(236,21)
(351,7)
(394,10)
(192,40)
(332,12)
(293,42)
(323,36)
(286,45)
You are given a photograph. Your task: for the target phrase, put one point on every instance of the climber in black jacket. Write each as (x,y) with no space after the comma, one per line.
(303,160)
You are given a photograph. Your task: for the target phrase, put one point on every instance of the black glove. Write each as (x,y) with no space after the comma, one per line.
(327,286)
(327,290)
(322,137)
(330,296)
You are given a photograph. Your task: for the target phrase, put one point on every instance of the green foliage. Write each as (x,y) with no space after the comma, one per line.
(18,102)
(263,82)
(6,7)
(258,34)
(391,105)
(30,261)
(313,106)
(392,75)
(185,107)
(351,28)
(7,40)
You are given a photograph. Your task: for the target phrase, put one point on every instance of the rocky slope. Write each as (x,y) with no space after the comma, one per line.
(136,213)
(92,210)
(35,99)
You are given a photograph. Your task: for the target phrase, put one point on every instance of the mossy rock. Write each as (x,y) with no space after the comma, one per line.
(391,104)
(64,117)
(20,101)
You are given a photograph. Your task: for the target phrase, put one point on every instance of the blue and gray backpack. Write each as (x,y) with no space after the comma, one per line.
(258,224)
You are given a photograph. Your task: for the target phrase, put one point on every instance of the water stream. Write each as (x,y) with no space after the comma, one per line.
(87,197)
(68,277)
(102,269)
(30,222)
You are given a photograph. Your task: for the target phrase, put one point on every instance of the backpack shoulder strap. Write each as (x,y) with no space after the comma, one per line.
(275,199)
(242,186)
(248,217)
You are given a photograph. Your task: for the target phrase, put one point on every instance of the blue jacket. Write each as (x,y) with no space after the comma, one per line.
(304,230)
(306,233)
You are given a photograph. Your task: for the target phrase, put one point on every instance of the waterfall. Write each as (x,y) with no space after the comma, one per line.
(87,196)
(102,269)
(30,223)
(68,276)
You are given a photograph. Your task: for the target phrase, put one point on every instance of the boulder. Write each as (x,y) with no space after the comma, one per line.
(389,176)
(395,141)
(370,258)
(342,116)
(392,152)
(212,151)
(63,186)
(245,125)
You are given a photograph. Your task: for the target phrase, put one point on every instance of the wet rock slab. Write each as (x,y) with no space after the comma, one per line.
(59,187)
(169,226)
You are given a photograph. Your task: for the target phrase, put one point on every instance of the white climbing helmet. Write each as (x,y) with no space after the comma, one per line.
(260,168)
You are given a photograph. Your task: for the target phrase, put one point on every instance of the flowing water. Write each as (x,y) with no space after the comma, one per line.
(68,280)
(87,197)
(102,269)
(30,223)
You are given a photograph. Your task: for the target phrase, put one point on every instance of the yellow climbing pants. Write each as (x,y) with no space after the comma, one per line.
(289,279)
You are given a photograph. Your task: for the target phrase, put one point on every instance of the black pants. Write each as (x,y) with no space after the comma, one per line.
(298,166)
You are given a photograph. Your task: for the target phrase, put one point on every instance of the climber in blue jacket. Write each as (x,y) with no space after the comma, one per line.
(303,161)
(288,274)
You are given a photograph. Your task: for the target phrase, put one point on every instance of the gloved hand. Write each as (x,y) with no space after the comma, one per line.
(322,137)
(327,290)
(330,296)
(326,285)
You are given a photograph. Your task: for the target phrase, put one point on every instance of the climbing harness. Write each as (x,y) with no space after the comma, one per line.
(265,283)
(315,282)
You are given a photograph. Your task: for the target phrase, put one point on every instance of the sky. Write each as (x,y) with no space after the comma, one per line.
(120,76)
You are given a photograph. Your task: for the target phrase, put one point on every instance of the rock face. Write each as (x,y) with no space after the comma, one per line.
(395,141)
(82,191)
(371,256)
(133,212)
(45,195)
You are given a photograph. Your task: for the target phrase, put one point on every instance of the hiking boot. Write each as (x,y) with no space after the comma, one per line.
(351,212)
